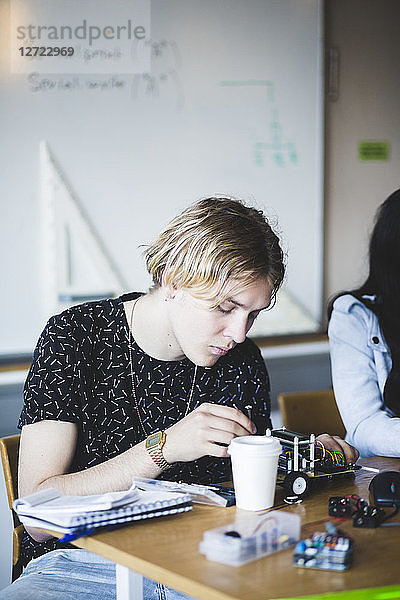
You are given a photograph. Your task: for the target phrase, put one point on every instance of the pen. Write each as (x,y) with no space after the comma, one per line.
(70,537)
(371,469)
(221,488)
(215,487)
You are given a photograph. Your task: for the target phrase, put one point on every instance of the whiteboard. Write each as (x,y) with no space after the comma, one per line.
(232,106)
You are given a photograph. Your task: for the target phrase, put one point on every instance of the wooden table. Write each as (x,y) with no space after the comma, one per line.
(166,550)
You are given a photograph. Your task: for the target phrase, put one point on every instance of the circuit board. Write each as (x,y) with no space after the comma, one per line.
(304,458)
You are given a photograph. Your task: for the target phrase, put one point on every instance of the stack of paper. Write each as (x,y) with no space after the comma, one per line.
(213,494)
(49,509)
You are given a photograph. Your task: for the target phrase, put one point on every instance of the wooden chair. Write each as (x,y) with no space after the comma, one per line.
(9,449)
(311,412)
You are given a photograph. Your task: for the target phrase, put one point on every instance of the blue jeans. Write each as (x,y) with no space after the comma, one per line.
(74,574)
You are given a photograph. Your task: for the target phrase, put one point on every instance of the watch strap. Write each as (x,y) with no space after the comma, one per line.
(154,445)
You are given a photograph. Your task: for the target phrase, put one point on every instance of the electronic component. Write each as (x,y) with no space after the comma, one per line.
(363,515)
(369,516)
(331,551)
(345,506)
(303,460)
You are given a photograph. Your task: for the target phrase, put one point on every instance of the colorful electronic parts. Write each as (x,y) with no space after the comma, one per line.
(304,459)
(345,507)
(330,461)
(329,551)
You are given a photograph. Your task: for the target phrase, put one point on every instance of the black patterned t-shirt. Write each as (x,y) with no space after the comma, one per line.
(81,374)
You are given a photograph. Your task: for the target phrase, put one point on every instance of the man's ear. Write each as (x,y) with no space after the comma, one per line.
(168,289)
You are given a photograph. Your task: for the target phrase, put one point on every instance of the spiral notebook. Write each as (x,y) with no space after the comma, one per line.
(49,509)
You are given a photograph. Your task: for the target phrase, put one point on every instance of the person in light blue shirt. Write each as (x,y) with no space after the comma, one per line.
(364,338)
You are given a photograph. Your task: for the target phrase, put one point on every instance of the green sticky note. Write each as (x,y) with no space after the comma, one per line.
(373,150)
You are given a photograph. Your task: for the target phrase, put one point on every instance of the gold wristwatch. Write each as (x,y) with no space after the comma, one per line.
(154,446)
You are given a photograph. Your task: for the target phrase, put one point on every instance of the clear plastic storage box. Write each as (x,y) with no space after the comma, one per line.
(249,538)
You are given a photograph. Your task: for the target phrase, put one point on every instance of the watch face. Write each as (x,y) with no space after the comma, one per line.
(153,441)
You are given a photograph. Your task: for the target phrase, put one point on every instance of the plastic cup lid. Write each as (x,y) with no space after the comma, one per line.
(255,444)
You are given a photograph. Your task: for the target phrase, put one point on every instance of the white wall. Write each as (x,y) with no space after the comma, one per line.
(232,85)
(366,34)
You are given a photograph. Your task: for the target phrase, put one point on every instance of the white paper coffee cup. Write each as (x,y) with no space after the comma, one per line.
(254,467)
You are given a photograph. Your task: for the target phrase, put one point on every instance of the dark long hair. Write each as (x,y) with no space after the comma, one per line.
(383,282)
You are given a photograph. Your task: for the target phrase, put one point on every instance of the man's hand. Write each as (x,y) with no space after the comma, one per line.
(202,431)
(336,444)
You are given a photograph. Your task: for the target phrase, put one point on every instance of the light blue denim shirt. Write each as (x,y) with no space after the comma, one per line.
(361,362)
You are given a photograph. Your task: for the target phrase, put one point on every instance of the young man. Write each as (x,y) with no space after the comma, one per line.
(152,384)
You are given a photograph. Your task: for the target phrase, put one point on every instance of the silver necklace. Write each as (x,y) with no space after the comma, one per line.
(131,340)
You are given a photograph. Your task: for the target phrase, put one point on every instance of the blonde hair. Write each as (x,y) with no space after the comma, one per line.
(213,242)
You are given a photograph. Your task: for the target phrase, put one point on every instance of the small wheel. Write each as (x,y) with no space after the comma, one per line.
(296,484)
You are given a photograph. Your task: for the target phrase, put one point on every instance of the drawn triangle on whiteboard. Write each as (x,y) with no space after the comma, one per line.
(77,265)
